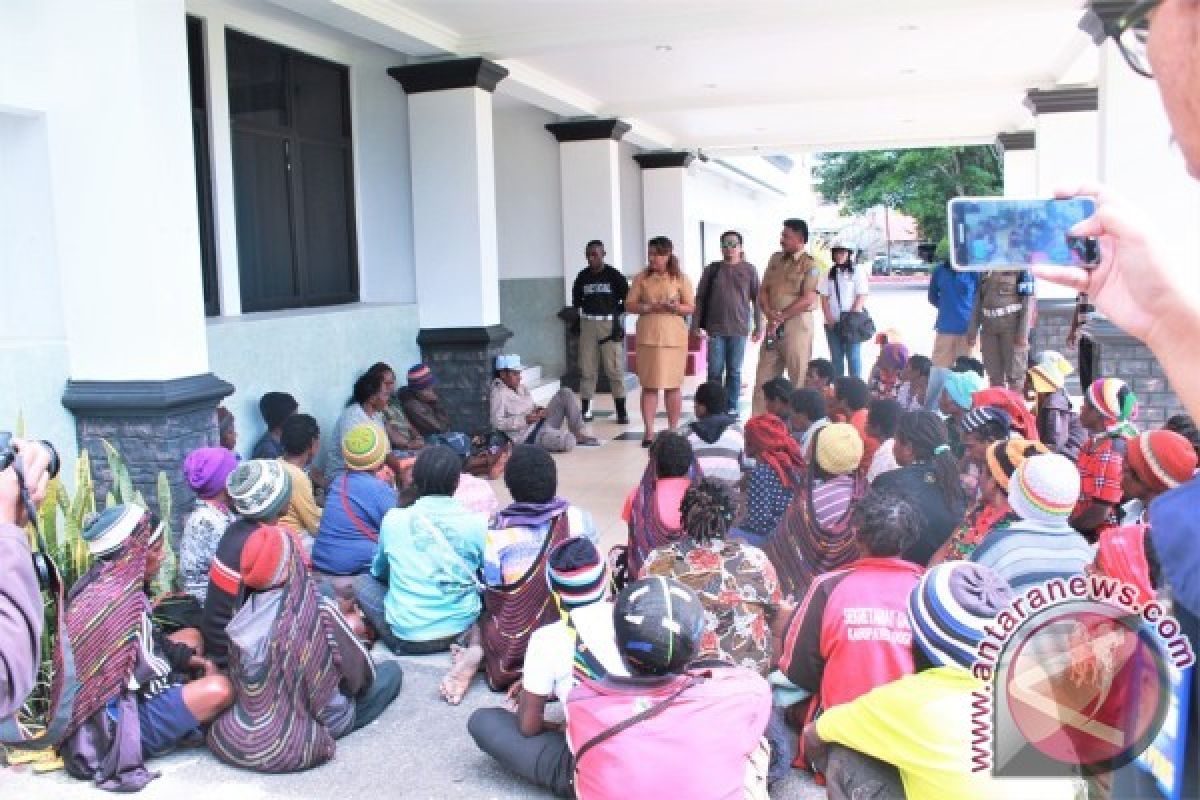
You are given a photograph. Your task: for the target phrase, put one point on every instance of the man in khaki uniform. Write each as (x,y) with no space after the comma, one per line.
(1000,320)
(787,298)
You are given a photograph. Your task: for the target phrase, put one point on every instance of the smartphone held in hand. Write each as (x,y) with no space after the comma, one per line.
(1002,233)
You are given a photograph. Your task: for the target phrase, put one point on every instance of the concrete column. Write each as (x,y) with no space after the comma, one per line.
(454,190)
(591,190)
(1020,163)
(123,198)
(665,208)
(1139,161)
(454,228)
(1067,147)
(123,184)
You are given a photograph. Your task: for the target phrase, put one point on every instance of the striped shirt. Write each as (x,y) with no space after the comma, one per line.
(831,499)
(1028,553)
(723,458)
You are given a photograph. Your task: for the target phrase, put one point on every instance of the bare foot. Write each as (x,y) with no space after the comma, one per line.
(464,664)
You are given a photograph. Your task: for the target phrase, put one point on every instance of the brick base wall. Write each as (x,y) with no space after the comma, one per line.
(464,361)
(1117,354)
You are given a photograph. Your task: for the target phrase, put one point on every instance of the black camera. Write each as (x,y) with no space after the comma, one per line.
(43,564)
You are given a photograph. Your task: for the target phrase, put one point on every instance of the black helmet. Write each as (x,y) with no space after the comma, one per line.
(658,622)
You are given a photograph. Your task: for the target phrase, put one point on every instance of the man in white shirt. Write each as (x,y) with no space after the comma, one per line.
(584,642)
(843,289)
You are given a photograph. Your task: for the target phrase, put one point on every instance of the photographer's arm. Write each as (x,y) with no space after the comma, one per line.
(20,617)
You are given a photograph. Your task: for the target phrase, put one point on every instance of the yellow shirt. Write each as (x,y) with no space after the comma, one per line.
(303,514)
(789,277)
(921,724)
(658,328)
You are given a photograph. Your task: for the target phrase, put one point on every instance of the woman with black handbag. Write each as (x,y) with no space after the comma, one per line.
(843,299)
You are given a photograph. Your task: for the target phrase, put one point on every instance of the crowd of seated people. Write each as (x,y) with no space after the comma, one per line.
(755,555)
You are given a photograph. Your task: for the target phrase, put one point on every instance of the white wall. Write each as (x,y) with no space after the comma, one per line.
(756,214)
(528,193)
(379,122)
(633,250)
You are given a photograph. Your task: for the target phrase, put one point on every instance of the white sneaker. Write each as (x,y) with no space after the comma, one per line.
(588,416)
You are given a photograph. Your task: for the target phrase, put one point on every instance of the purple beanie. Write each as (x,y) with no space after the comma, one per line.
(207,468)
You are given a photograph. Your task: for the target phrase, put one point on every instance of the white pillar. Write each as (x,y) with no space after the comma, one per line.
(665,208)
(591,191)
(1140,161)
(1067,149)
(454,190)
(1020,164)
(123,185)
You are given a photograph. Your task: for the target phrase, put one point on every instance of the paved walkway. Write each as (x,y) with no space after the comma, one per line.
(420,748)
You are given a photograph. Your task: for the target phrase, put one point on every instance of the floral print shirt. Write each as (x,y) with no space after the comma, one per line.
(739,590)
(198,544)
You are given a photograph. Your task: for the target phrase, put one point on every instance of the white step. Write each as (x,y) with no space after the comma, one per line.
(532,375)
(544,390)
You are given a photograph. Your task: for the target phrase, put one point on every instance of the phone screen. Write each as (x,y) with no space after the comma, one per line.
(998,233)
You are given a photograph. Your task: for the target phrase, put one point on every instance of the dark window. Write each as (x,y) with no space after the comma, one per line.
(293,176)
(204,202)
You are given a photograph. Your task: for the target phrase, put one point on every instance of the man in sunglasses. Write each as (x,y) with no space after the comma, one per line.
(1139,288)
(726,299)
(599,297)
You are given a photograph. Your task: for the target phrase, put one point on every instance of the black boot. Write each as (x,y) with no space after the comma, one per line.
(584,407)
(622,415)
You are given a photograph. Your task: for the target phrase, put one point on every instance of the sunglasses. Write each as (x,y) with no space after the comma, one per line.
(1130,31)
(729,245)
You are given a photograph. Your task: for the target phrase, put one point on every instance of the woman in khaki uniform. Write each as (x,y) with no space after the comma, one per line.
(661,296)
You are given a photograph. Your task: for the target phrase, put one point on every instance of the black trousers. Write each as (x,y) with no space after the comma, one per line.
(388,680)
(850,775)
(543,760)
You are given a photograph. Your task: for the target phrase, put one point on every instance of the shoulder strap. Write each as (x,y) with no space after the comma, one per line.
(708,290)
(628,723)
(363,527)
(445,543)
(559,530)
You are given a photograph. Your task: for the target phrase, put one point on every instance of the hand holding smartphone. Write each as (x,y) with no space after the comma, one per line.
(1000,233)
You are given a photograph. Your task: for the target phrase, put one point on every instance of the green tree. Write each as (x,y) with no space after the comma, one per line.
(917,182)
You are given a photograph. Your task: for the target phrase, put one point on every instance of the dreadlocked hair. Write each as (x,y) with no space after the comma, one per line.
(925,432)
(708,509)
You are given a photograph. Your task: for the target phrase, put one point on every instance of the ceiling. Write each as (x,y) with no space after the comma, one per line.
(741,76)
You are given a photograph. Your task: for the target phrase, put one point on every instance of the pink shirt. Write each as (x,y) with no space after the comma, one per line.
(668,495)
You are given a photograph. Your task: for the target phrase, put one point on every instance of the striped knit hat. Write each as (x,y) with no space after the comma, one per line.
(364,447)
(979,418)
(1161,459)
(260,488)
(1003,458)
(1050,372)
(576,573)
(1115,402)
(420,376)
(265,558)
(949,608)
(1044,489)
(109,529)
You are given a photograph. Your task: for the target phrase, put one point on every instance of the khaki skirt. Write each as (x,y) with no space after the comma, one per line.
(660,367)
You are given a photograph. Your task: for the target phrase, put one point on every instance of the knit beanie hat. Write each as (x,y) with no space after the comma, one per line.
(950,606)
(658,623)
(978,418)
(893,356)
(1161,459)
(206,470)
(275,407)
(365,447)
(1003,458)
(109,529)
(1115,402)
(838,448)
(576,573)
(961,385)
(420,376)
(1050,372)
(260,488)
(1044,489)
(265,557)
